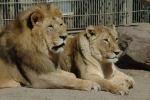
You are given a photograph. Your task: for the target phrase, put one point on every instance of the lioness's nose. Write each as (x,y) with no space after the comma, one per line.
(63,37)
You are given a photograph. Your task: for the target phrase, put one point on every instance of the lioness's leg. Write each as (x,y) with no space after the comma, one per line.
(122,80)
(119,78)
(106,85)
(92,73)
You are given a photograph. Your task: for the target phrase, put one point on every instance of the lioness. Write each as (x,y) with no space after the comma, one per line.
(29,47)
(91,55)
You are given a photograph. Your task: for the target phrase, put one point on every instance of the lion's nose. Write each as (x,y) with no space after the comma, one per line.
(117,52)
(63,37)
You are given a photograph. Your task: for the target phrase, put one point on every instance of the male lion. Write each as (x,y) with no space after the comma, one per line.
(29,47)
(91,55)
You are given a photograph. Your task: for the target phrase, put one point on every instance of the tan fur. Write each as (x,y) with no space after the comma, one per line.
(92,54)
(29,48)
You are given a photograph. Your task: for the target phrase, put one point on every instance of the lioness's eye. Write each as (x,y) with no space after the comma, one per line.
(117,39)
(50,26)
(92,33)
(61,24)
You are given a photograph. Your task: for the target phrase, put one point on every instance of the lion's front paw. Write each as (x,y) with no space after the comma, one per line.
(89,85)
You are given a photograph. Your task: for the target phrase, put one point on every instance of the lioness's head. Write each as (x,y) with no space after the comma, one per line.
(104,40)
(44,22)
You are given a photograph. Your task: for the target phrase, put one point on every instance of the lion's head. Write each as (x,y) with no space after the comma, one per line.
(103,41)
(45,24)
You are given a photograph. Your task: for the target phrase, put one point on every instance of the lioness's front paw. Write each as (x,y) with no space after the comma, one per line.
(118,90)
(128,83)
(121,91)
(91,86)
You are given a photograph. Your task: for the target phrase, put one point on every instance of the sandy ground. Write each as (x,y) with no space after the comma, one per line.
(140,92)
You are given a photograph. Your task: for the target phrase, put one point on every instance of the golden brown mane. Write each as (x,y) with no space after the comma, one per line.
(29,47)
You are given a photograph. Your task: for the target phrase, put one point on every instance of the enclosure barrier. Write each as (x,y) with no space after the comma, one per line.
(78,14)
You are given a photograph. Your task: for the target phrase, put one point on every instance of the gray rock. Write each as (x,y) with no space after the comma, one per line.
(135,42)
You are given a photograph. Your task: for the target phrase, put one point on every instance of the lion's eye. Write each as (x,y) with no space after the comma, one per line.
(106,40)
(51,26)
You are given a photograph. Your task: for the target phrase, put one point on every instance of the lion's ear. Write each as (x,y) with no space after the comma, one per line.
(90,31)
(34,18)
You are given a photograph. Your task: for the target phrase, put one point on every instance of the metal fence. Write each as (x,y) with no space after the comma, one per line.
(80,13)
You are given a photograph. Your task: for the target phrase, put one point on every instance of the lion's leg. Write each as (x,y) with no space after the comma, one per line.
(6,80)
(60,79)
(9,84)
(42,73)
(65,73)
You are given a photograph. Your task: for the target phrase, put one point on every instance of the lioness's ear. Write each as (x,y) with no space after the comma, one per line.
(34,18)
(112,26)
(90,31)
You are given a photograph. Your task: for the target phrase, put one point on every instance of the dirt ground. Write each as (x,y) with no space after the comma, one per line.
(140,92)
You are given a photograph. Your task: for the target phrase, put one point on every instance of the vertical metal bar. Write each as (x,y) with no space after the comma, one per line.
(98,11)
(129,11)
(134,14)
(137,10)
(5,12)
(115,12)
(83,18)
(76,14)
(93,12)
(141,12)
(118,12)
